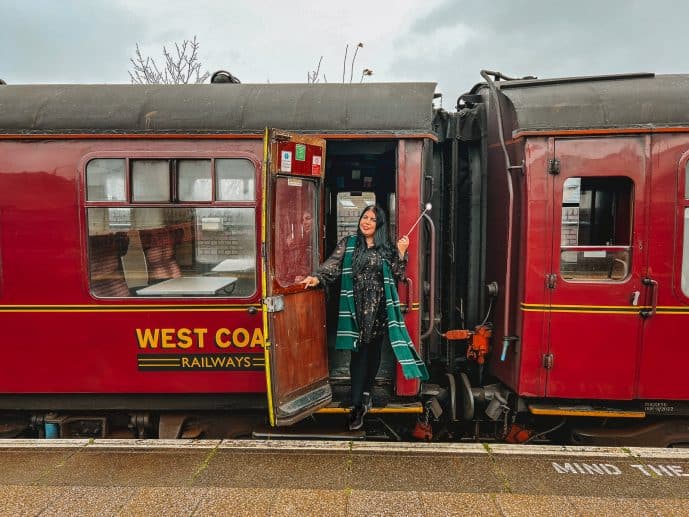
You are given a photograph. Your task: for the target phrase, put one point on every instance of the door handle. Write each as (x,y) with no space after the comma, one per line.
(653,285)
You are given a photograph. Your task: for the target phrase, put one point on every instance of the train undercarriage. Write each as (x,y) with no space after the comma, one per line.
(451,411)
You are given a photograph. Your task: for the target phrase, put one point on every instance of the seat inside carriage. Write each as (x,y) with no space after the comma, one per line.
(107,275)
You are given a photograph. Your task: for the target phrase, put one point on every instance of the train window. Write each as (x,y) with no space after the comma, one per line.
(151,180)
(171,250)
(349,208)
(105,179)
(194,180)
(234,180)
(296,245)
(596,228)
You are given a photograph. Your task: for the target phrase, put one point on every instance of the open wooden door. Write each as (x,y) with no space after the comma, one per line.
(294,317)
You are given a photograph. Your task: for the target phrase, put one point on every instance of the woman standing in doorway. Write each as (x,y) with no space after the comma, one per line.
(369,312)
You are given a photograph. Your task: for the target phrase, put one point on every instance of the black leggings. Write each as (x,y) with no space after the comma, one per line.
(363,368)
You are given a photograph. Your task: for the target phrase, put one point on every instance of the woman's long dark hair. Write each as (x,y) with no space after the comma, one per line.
(381,240)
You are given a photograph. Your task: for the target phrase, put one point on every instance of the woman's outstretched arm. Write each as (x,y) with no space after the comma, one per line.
(330,270)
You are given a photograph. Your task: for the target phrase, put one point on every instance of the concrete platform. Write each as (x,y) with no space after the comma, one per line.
(139,477)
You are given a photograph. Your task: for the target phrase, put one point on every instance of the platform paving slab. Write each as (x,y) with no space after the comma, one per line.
(27,500)
(122,468)
(309,470)
(162,501)
(458,504)
(88,500)
(240,502)
(27,466)
(421,472)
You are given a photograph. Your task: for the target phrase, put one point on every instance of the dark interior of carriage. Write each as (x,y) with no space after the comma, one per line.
(357,174)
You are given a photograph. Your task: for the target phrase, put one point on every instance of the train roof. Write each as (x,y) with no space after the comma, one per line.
(630,101)
(217,108)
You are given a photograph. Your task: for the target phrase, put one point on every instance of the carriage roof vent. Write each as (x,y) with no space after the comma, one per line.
(223,76)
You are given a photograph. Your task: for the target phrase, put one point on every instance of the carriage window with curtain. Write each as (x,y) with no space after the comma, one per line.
(156,229)
(596,230)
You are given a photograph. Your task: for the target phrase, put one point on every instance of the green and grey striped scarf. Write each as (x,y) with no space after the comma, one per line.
(348,330)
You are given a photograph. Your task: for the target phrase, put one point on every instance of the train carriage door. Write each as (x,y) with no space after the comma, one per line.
(665,353)
(294,317)
(598,191)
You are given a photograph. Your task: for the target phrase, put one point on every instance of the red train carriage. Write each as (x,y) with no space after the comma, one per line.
(586,238)
(153,237)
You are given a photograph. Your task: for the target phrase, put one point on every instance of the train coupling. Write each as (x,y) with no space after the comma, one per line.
(478,341)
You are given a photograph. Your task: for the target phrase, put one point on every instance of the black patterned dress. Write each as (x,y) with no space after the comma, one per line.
(367,277)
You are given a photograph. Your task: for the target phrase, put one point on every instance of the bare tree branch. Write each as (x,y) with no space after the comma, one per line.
(312,77)
(182,67)
(356,51)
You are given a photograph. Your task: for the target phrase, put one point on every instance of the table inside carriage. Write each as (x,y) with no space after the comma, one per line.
(191,286)
(235,265)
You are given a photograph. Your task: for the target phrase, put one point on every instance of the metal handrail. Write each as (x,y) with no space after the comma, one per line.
(431,297)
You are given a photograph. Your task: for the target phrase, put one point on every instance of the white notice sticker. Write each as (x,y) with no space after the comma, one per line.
(316,165)
(286,161)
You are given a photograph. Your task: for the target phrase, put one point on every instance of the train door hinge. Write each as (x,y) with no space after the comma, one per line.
(274,303)
(554,166)
(550,280)
(548,361)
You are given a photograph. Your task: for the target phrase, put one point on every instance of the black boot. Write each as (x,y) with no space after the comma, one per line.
(356,418)
(367,401)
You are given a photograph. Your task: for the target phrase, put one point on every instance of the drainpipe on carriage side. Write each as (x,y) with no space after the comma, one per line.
(507,337)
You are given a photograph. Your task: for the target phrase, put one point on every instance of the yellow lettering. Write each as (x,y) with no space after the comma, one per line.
(257,338)
(240,337)
(147,338)
(216,360)
(199,334)
(219,338)
(184,338)
(185,362)
(195,363)
(167,335)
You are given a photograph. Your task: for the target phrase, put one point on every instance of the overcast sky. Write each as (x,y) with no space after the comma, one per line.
(446,41)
